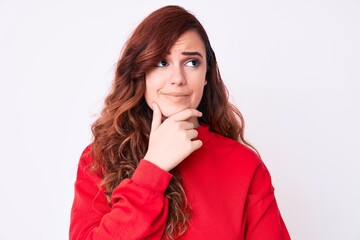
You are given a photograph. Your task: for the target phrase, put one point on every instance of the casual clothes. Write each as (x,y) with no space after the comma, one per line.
(227,185)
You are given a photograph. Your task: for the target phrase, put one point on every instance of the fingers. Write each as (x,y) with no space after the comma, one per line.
(196,144)
(186,125)
(157,115)
(191,134)
(186,114)
(177,134)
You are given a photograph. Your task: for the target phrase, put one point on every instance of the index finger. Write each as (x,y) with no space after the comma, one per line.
(186,114)
(156,121)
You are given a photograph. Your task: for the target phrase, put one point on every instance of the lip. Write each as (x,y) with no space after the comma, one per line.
(175,94)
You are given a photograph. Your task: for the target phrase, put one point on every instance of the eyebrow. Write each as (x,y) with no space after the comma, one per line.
(192,54)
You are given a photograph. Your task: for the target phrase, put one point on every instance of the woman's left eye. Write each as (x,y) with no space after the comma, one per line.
(192,63)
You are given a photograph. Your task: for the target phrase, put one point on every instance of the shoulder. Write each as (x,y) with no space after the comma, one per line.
(224,155)
(244,162)
(86,156)
(85,163)
(235,150)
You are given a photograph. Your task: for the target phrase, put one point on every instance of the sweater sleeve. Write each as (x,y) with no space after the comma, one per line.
(139,207)
(263,218)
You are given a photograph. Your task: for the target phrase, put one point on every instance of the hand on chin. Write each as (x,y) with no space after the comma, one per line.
(168,111)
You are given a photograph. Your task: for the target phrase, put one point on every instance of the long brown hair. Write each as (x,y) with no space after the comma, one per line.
(121,133)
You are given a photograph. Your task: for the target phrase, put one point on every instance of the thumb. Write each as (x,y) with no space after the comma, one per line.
(157,115)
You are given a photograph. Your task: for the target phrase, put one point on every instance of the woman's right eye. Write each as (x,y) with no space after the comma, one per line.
(162,63)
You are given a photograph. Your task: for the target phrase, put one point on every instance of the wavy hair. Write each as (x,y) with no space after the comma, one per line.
(121,133)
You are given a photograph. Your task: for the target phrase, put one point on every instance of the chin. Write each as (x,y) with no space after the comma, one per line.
(168,112)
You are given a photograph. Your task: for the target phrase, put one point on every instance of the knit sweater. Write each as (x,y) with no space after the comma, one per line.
(227,185)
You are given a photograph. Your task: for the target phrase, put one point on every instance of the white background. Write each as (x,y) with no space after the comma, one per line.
(292,67)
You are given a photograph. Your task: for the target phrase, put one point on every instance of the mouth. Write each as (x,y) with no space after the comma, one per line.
(176,97)
(176,94)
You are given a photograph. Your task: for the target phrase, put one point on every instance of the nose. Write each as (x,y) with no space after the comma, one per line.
(178,76)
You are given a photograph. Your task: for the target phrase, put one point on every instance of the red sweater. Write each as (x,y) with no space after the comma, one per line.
(228,187)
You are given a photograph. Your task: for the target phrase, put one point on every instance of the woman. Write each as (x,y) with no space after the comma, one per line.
(169,159)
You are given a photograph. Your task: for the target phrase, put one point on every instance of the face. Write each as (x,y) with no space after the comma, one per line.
(177,81)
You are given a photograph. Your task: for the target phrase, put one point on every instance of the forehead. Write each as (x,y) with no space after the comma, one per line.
(190,41)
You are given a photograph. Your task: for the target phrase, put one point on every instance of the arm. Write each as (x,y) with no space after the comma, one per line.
(139,209)
(263,217)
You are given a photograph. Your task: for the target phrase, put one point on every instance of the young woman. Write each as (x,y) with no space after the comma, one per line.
(168,158)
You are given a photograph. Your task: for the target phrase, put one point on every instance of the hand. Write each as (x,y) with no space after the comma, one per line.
(173,140)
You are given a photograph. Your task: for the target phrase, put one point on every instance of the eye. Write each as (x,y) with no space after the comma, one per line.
(162,63)
(192,63)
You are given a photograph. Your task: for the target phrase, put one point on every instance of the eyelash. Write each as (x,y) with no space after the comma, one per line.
(194,61)
(160,62)
(164,63)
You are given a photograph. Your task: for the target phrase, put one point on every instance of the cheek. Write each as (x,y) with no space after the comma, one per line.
(151,87)
(147,94)
(198,92)
(147,98)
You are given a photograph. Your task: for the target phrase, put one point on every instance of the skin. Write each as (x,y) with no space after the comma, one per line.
(174,88)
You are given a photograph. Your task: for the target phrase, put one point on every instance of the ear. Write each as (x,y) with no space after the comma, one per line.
(205,82)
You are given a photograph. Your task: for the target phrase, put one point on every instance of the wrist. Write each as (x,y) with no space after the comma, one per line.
(150,176)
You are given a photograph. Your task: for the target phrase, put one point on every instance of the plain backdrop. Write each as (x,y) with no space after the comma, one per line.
(292,68)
